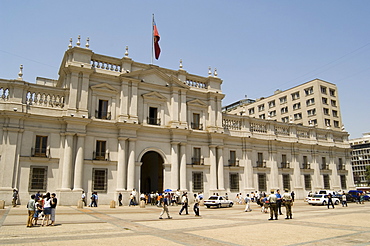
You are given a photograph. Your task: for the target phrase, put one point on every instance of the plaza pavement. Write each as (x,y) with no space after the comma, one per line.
(311,225)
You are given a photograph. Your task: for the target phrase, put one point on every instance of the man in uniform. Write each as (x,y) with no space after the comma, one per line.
(273,207)
(287,199)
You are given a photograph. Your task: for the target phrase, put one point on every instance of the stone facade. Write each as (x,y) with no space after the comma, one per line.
(111,125)
(360,159)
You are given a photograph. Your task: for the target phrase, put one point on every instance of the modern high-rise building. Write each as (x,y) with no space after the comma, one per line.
(360,159)
(111,125)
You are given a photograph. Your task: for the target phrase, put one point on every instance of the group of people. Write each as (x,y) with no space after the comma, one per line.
(165,202)
(42,207)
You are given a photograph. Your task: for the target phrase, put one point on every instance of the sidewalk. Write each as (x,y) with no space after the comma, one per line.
(311,225)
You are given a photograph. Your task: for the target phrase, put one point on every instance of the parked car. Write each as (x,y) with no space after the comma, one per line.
(354,194)
(218,201)
(321,199)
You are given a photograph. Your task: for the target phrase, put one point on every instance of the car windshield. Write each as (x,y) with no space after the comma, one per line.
(213,198)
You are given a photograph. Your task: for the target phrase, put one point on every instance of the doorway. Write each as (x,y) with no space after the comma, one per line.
(151,176)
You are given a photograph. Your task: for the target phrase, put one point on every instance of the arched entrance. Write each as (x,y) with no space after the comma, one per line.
(151,176)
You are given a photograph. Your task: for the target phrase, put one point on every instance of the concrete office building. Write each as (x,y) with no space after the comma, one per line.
(111,125)
(360,159)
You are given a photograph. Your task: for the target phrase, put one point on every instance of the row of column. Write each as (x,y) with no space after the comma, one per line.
(178,172)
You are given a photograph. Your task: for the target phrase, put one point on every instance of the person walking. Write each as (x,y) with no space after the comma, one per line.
(47,210)
(15,197)
(165,207)
(31,210)
(120,199)
(288,202)
(83,198)
(344,200)
(247,204)
(293,195)
(196,205)
(184,202)
(53,205)
(330,200)
(278,201)
(273,208)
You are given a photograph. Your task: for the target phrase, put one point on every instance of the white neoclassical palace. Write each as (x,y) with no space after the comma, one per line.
(111,125)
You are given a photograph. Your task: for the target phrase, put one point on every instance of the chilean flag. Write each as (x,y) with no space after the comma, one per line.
(156,38)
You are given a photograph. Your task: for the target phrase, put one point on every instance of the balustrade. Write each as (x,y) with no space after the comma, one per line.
(196,84)
(105,65)
(44,99)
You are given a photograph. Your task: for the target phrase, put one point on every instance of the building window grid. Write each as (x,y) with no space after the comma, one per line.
(198,181)
(234,182)
(283,100)
(343,182)
(326,182)
(38,178)
(262,186)
(307,182)
(99,180)
(286,181)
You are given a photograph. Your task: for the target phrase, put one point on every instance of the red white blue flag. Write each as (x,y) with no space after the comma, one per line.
(156,38)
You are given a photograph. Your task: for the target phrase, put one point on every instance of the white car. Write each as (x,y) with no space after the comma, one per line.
(321,199)
(218,201)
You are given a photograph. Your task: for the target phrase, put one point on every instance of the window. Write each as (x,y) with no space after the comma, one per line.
(272,113)
(311,112)
(40,146)
(196,122)
(100,150)
(323,89)
(38,178)
(285,119)
(295,95)
(296,106)
(283,100)
(335,113)
(102,112)
(260,161)
(232,160)
(284,163)
(332,92)
(261,107)
(99,180)
(298,116)
(262,116)
(234,182)
(305,164)
(198,181)
(308,91)
(343,182)
(324,165)
(325,101)
(286,181)
(326,111)
(153,116)
(327,122)
(312,122)
(307,182)
(336,123)
(197,160)
(271,104)
(333,103)
(262,182)
(251,111)
(310,101)
(284,110)
(326,182)
(340,164)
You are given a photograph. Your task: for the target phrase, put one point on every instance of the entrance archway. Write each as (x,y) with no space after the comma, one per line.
(151,176)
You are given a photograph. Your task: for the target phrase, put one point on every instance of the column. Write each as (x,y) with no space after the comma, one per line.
(133,101)
(183,110)
(248,169)
(79,162)
(175,106)
(220,168)
(174,166)
(67,164)
(124,98)
(183,167)
(72,103)
(213,168)
(84,92)
(121,164)
(211,112)
(274,174)
(131,164)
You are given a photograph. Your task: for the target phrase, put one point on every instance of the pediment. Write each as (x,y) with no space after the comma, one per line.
(154,96)
(197,103)
(104,87)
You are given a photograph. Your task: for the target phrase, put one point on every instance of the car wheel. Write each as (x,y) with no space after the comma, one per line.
(336,202)
(231,204)
(208,206)
(218,205)
(324,203)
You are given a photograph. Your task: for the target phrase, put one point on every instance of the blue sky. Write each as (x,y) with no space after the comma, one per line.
(256,46)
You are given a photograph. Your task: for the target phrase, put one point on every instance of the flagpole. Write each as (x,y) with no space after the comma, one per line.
(152,39)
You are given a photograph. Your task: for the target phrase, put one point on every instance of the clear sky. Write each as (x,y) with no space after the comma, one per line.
(256,46)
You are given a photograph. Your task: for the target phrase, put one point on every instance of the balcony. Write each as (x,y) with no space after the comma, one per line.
(197,161)
(306,166)
(154,121)
(261,164)
(101,156)
(233,163)
(324,166)
(196,126)
(285,165)
(104,115)
(341,167)
(40,152)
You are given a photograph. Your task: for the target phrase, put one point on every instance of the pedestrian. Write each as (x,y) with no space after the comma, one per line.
(120,199)
(37,196)
(196,205)
(165,207)
(15,197)
(247,204)
(278,201)
(134,194)
(132,200)
(53,205)
(184,202)
(288,203)
(330,200)
(273,208)
(31,210)
(38,210)
(344,199)
(47,210)
(83,198)
(293,195)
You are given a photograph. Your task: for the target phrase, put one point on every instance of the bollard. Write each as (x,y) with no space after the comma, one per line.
(142,204)
(80,204)
(112,204)
(2,204)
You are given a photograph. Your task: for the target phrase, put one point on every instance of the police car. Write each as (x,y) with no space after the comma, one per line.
(218,201)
